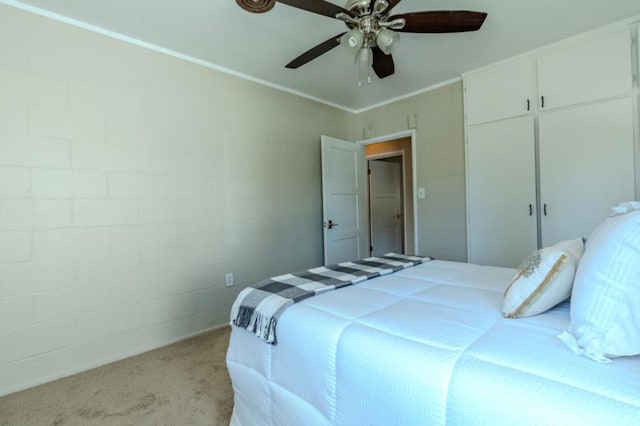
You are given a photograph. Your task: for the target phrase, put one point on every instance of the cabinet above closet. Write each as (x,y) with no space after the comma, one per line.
(581,72)
(504,92)
(587,71)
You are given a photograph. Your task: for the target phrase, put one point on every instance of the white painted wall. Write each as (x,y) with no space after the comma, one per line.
(130,183)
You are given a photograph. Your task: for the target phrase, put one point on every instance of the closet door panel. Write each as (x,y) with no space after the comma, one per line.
(586,166)
(501,187)
(592,70)
(500,93)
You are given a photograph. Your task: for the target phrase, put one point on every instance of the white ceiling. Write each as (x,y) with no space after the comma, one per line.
(259,45)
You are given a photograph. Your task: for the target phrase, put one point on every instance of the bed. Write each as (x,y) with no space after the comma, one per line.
(427,345)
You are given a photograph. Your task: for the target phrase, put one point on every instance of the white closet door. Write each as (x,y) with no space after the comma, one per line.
(501,192)
(592,70)
(586,166)
(500,93)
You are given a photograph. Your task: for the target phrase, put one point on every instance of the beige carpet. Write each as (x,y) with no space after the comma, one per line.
(186,383)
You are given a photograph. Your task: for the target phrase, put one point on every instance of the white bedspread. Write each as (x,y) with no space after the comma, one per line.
(425,346)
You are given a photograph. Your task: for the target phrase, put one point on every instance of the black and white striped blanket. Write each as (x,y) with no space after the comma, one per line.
(257,308)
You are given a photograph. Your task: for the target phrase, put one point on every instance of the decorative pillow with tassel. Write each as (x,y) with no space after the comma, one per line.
(543,280)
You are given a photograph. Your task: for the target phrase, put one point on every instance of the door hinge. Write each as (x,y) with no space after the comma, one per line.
(368,171)
(371,249)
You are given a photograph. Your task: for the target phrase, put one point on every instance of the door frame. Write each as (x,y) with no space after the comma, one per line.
(403,134)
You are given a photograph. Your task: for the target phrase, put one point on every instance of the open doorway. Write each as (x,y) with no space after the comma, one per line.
(390,197)
(345,198)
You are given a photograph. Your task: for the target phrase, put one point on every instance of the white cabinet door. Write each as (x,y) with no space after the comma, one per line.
(586,166)
(501,192)
(592,70)
(500,93)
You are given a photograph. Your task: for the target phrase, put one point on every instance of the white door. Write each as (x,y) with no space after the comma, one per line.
(386,207)
(344,200)
(586,166)
(502,192)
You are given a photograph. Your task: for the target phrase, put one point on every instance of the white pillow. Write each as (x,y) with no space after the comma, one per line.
(543,280)
(605,302)
(624,208)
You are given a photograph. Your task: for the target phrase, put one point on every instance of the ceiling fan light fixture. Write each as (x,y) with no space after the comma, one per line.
(364,60)
(352,40)
(371,33)
(364,56)
(387,40)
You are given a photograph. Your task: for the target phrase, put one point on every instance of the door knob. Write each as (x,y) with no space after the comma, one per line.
(330,225)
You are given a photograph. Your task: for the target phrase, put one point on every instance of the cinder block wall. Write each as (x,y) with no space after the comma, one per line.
(130,184)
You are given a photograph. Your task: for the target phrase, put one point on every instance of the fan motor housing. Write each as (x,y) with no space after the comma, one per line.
(359,6)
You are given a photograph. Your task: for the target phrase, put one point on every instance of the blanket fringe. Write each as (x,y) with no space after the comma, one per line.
(263,326)
(242,317)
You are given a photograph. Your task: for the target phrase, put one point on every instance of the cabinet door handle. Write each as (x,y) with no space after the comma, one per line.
(541,101)
(530,209)
(544,210)
(528,105)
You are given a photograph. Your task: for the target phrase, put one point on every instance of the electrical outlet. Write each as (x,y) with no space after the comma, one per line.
(229,279)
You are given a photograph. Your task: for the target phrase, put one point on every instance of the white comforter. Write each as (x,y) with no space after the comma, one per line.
(425,346)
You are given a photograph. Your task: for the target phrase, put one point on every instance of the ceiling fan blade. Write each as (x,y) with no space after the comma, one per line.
(314,52)
(317,6)
(382,64)
(444,21)
(392,4)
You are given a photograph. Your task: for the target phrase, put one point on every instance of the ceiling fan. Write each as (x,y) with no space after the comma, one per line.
(372,31)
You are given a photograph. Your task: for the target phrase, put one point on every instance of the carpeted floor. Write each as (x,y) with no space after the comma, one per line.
(186,383)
